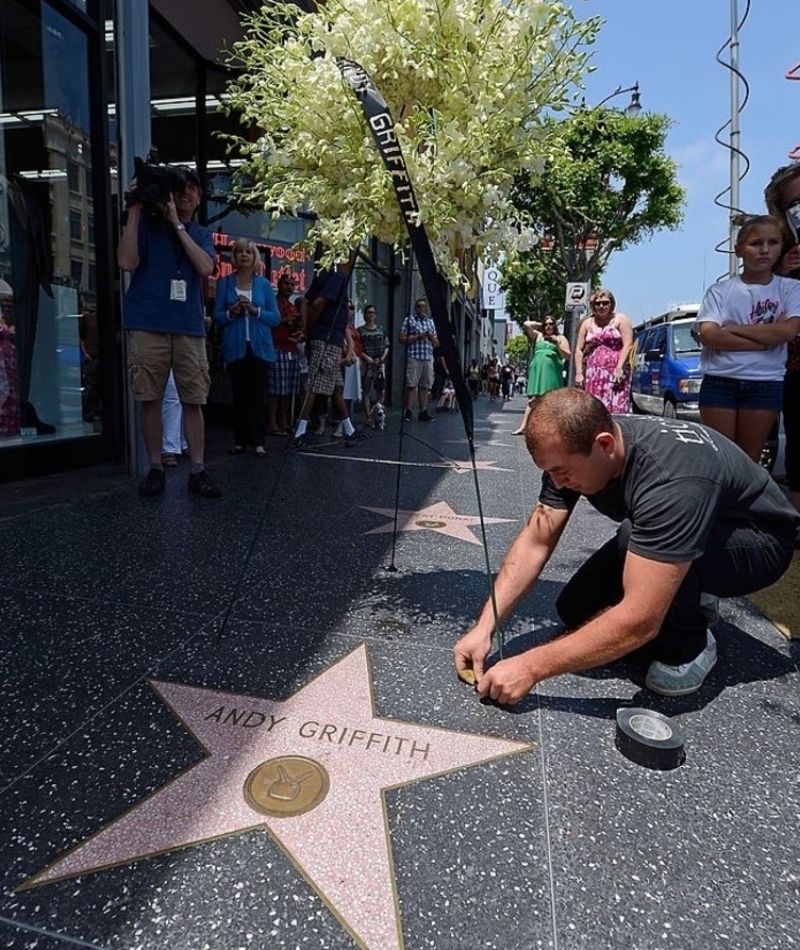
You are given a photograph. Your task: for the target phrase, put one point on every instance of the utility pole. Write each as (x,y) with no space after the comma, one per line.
(735,137)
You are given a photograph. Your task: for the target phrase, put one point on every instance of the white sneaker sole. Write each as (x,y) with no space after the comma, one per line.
(688,690)
(678,692)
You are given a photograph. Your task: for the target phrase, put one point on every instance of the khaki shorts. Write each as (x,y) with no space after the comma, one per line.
(419,373)
(152,355)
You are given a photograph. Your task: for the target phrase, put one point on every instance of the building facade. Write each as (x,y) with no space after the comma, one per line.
(85,86)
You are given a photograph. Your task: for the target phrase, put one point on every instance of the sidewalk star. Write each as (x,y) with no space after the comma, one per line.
(311,770)
(439,518)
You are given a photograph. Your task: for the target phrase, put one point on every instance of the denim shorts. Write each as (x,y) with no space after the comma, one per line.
(725,392)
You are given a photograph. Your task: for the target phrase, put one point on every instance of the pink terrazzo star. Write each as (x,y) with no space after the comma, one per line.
(439,518)
(325,736)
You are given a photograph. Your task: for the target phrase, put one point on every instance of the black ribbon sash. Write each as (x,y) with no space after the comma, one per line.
(381,124)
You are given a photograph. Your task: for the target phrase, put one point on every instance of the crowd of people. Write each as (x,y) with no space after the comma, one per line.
(272,342)
(698,515)
(294,361)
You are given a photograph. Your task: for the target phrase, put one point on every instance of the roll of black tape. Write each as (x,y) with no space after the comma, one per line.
(649,738)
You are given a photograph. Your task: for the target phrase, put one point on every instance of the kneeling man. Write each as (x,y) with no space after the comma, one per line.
(696,515)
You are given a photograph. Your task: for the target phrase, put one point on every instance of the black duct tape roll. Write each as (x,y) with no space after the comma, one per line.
(648,738)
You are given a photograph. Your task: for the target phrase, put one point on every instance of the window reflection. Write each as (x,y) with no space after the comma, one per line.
(48,298)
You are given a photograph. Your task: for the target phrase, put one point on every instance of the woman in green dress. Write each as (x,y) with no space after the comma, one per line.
(549,351)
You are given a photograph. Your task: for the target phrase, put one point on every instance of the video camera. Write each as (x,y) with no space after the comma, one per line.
(155,182)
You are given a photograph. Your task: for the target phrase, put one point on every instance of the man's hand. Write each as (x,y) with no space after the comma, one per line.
(790,261)
(129,201)
(469,654)
(508,681)
(171,212)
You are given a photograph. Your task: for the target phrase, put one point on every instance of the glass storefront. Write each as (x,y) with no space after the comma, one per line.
(50,355)
(62,380)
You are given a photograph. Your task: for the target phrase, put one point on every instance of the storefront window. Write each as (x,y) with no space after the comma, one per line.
(48,299)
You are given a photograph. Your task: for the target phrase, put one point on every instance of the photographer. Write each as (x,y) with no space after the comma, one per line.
(168,255)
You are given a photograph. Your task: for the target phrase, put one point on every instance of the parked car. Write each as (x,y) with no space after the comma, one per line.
(666,365)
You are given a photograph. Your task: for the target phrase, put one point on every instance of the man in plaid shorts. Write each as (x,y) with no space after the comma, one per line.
(418,333)
(326,319)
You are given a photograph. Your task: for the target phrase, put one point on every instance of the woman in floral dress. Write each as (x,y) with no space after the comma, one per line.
(604,343)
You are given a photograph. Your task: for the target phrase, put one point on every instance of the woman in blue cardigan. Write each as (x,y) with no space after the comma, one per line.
(246,310)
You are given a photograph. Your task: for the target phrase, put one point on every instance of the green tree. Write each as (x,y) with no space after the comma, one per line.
(607,185)
(517,350)
(469,84)
(532,288)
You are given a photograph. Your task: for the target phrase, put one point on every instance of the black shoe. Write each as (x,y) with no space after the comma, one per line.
(358,436)
(301,443)
(200,483)
(29,419)
(425,417)
(407,415)
(153,484)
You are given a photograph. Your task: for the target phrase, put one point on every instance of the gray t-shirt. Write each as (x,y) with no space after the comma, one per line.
(680,480)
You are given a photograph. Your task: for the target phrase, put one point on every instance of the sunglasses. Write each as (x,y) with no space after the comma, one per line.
(602,303)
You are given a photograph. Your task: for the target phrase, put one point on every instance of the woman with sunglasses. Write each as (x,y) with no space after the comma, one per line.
(549,351)
(604,343)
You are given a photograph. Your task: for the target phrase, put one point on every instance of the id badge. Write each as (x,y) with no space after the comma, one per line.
(177,290)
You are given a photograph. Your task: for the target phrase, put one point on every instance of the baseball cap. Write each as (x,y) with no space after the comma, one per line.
(190,174)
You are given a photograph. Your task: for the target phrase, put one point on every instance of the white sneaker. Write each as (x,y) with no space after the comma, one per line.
(686,678)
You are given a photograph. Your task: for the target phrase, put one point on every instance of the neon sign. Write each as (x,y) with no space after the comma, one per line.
(277,257)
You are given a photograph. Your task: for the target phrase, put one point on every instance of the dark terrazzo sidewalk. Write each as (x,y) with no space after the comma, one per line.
(563,845)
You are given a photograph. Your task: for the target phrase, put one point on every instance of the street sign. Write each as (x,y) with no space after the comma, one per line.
(577,296)
(493,297)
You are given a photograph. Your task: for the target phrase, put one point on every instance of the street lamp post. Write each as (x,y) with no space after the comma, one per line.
(634,107)
(735,171)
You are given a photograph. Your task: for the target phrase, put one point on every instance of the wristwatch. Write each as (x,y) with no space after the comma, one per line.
(179,227)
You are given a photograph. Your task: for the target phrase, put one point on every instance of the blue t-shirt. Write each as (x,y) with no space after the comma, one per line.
(162,260)
(332,321)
